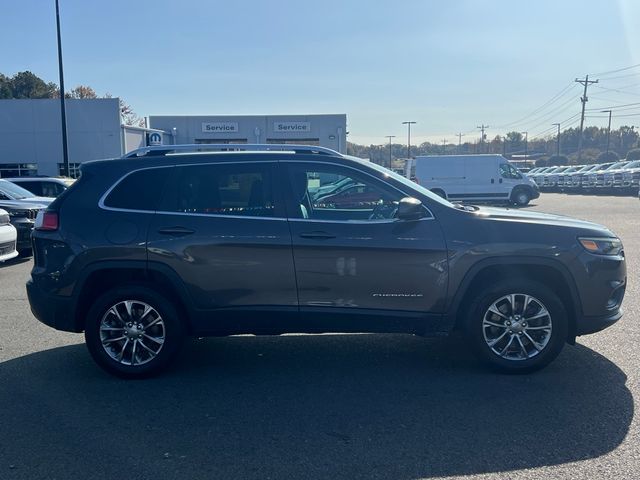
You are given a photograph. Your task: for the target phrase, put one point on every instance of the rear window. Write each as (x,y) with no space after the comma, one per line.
(139,190)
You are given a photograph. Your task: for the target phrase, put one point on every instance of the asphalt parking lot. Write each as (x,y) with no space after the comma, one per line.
(329,406)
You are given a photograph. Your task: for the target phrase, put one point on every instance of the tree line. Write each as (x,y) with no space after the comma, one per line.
(26,84)
(623,143)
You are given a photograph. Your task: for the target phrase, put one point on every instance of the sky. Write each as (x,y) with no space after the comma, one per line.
(448,65)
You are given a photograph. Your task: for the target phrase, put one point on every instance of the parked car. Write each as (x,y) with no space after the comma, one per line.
(537,176)
(573,181)
(142,251)
(42,186)
(11,191)
(7,238)
(474,178)
(22,216)
(589,181)
(564,176)
(630,177)
(550,178)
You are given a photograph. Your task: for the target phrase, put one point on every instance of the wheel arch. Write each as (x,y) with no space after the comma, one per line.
(548,272)
(100,277)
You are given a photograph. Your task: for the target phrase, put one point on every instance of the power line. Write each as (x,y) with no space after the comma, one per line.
(617,91)
(552,100)
(601,74)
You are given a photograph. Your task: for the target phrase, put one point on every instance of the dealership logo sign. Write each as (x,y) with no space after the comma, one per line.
(155,138)
(292,127)
(219,127)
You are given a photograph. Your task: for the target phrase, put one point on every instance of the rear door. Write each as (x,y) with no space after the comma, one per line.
(222,229)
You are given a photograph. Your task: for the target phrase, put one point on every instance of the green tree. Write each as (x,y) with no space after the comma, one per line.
(557,160)
(28,85)
(605,157)
(5,87)
(633,154)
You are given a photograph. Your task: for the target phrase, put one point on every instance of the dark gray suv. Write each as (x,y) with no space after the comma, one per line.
(164,243)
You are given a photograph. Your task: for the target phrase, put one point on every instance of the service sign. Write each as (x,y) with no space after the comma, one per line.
(283,127)
(219,127)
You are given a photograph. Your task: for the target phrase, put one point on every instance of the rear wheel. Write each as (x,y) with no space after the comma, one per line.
(517,326)
(133,332)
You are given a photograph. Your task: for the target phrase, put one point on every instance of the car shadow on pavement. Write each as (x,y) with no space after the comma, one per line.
(325,406)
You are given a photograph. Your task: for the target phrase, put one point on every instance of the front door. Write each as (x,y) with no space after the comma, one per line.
(350,250)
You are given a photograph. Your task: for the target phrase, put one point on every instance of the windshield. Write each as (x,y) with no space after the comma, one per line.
(617,165)
(14,191)
(634,164)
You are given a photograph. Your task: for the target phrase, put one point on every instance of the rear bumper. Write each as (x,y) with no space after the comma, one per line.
(52,310)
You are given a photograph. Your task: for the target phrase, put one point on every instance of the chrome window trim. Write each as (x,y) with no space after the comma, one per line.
(214,215)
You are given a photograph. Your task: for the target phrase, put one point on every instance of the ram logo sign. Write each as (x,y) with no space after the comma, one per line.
(154,138)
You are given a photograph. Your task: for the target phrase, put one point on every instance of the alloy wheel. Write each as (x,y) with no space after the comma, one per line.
(517,327)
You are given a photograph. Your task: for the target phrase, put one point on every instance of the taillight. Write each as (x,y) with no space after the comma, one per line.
(46,220)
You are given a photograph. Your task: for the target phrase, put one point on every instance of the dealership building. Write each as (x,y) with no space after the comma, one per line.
(31,139)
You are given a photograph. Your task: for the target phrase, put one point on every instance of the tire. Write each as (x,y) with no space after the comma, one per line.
(520,197)
(439,192)
(511,358)
(148,343)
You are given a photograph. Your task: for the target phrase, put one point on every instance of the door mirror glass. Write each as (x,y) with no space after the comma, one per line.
(410,208)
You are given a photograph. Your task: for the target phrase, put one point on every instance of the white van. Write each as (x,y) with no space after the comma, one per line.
(485,178)
(8,236)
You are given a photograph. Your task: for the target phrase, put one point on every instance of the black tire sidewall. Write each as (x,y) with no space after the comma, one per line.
(174,331)
(516,193)
(482,301)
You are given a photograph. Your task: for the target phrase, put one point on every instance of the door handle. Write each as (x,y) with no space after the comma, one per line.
(175,231)
(493,180)
(317,235)
(500,181)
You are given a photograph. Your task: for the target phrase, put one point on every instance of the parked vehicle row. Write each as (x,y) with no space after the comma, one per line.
(22,207)
(612,177)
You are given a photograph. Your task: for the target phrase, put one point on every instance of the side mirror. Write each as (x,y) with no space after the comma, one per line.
(410,208)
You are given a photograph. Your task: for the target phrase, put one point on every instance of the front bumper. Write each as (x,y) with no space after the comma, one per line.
(588,325)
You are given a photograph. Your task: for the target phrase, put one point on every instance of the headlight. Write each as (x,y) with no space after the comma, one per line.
(601,245)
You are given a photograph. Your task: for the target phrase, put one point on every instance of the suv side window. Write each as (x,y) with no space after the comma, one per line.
(224,189)
(51,189)
(332,192)
(509,171)
(140,190)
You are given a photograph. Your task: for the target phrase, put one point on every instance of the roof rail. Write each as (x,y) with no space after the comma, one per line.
(161,150)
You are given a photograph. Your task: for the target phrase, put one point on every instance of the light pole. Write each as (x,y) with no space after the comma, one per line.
(408,124)
(63,112)
(558,140)
(526,145)
(390,137)
(608,128)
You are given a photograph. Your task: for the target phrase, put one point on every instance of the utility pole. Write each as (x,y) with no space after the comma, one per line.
(444,146)
(460,135)
(608,128)
(390,137)
(558,139)
(63,112)
(584,99)
(408,124)
(504,146)
(482,128)
(526,146)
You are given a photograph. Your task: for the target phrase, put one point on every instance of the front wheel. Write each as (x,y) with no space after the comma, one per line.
(133,332)
(521,197)
(517,326)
